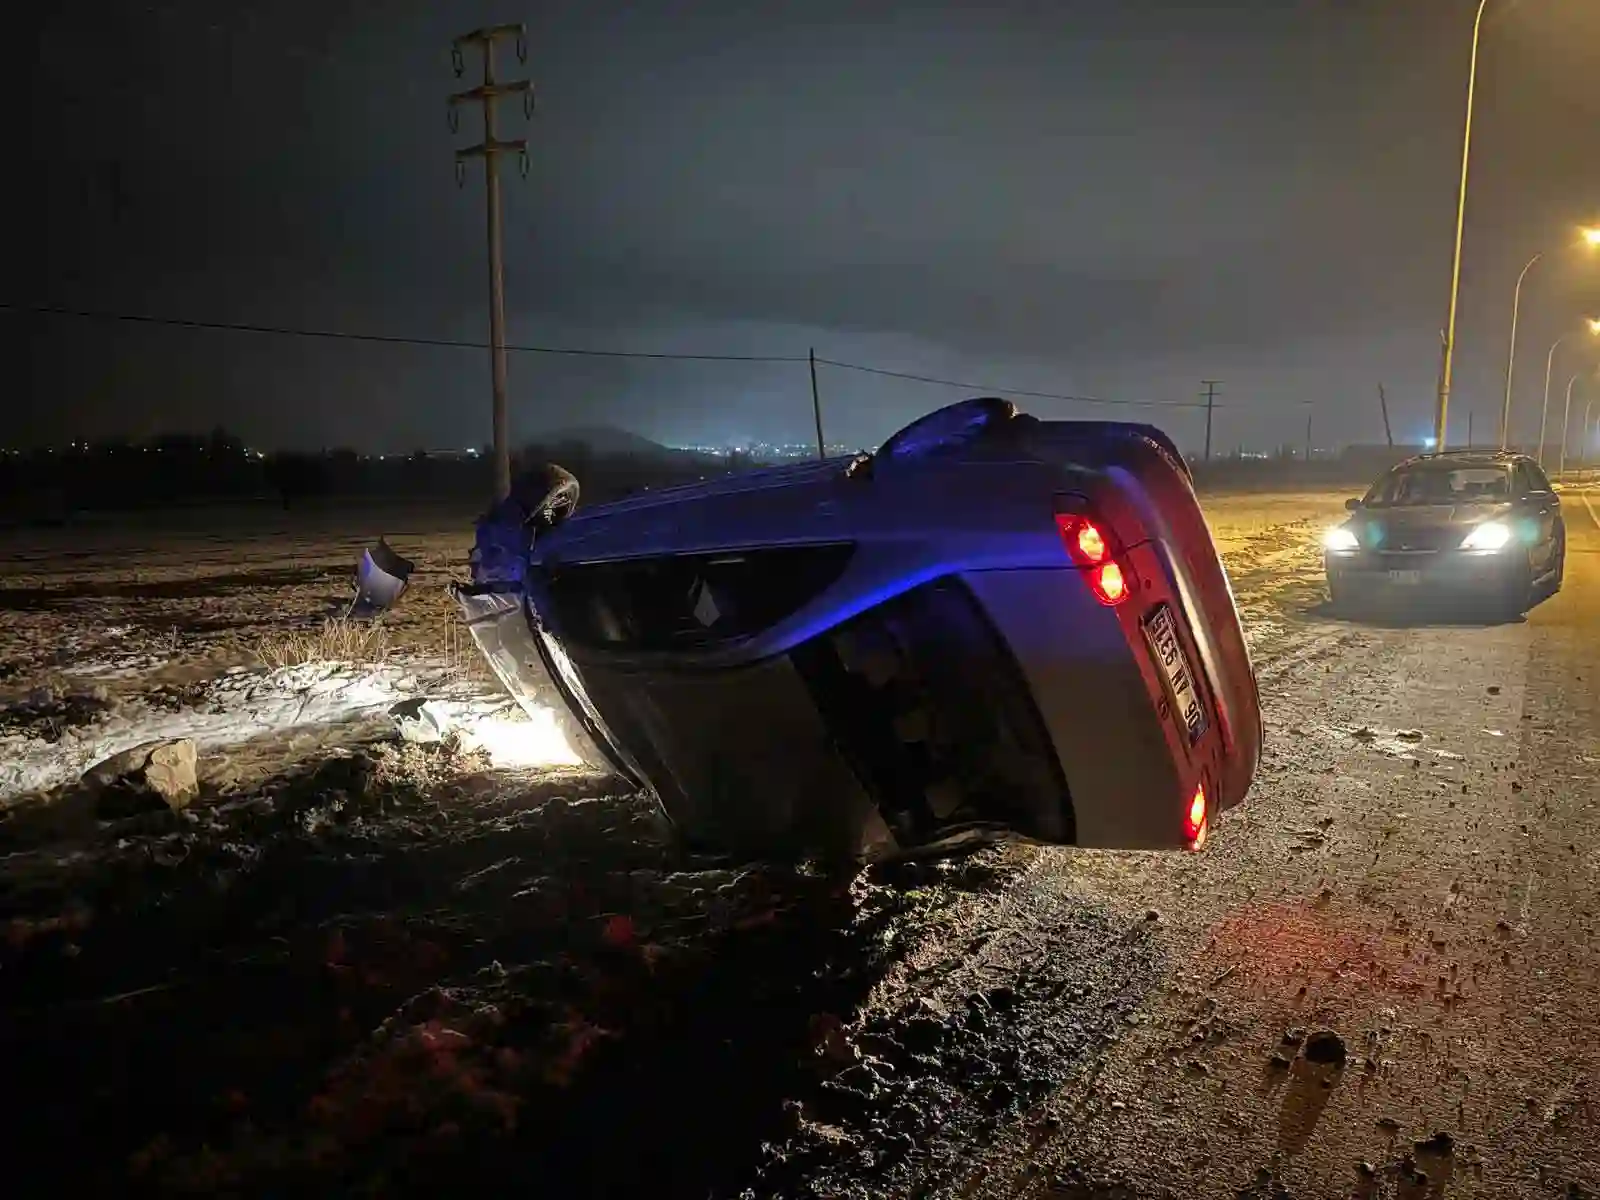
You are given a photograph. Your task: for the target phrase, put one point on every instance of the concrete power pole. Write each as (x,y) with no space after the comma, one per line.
(1211,403)
(490,150)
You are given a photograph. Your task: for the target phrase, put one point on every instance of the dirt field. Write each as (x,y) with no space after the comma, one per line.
(355,965)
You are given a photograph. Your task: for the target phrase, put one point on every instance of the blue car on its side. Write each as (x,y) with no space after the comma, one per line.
(993,625)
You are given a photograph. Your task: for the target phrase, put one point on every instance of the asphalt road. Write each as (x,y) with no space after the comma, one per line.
(1415,874)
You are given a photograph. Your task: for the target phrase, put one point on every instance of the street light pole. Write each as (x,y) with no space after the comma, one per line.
(1549,366)
(1586,441)
(1566,420)
(1443,414)
(1511,356)
(1544,413)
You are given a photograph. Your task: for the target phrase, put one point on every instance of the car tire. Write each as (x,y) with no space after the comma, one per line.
(548,494)
(1559,576)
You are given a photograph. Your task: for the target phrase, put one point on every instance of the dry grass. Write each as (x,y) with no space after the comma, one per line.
(339,640)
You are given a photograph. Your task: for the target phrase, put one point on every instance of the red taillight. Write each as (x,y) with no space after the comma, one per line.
(1194,821)
(1092,550)
(1083,539)
(1108,584)
(1091,543)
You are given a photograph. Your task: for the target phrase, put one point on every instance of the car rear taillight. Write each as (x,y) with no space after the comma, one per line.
(1091,549)
(1091,543)
(1108,584)
(1194,821)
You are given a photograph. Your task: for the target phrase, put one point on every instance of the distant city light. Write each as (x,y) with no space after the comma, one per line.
(764,450)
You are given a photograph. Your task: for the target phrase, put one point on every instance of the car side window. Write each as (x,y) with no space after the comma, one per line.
(1537,480)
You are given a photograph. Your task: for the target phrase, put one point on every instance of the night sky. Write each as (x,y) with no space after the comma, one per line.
(1095,197)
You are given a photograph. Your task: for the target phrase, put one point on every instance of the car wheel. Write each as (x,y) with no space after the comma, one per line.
(548,495)
(1560,575)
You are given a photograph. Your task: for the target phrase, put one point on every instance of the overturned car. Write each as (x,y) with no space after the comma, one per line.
(993,625)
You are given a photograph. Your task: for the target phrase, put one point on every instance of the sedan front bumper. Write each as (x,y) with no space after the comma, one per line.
(1452,572)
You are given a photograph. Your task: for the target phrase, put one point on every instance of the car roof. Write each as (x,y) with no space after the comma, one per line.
(1466,458)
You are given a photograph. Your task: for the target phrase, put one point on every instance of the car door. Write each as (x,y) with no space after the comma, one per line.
(1538,505)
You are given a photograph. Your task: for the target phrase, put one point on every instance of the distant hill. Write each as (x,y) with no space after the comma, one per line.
(605,440)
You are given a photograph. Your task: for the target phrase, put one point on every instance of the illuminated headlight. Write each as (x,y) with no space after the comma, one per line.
(1491,535)
(1340,538)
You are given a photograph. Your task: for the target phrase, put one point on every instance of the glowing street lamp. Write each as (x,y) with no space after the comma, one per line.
(1549,365)
(1591,237)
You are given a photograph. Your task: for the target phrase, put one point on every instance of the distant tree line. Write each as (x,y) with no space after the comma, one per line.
(190,469)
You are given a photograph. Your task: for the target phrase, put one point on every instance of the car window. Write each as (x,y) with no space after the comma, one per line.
(1537,480)
(1439,484)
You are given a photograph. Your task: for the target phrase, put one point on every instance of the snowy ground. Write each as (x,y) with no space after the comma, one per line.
(112,639)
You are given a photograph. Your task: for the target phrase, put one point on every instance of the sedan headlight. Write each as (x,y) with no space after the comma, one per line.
(1491,535)
(1340,538)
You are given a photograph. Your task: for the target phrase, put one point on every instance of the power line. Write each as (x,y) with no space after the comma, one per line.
(990,389)
(391,339)
(385,338)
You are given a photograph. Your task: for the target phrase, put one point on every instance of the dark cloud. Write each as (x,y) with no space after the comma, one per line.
(1088,196)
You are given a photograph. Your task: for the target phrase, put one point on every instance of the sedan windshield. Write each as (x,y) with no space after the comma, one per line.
(1441,485)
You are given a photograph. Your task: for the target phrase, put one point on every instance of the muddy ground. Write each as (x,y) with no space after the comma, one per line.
(356,966)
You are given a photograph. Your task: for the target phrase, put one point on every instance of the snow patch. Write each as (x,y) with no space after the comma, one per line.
(243,705)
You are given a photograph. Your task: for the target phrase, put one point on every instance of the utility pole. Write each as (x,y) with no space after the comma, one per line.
(1211,403)
(490,150)
(1383,402)
(1471,415)
(1309,411)
(816,406)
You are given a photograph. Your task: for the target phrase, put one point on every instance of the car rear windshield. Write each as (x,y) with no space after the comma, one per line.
(1441,485)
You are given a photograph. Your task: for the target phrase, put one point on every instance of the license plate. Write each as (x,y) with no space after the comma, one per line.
(1406,578)
(1161,629)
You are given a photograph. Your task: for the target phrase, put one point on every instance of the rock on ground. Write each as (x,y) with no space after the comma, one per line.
(163,769)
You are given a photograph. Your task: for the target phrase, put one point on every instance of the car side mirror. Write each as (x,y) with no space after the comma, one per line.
(1352,504)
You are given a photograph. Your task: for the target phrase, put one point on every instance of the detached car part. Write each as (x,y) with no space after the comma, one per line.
(381,579)
(994,625)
